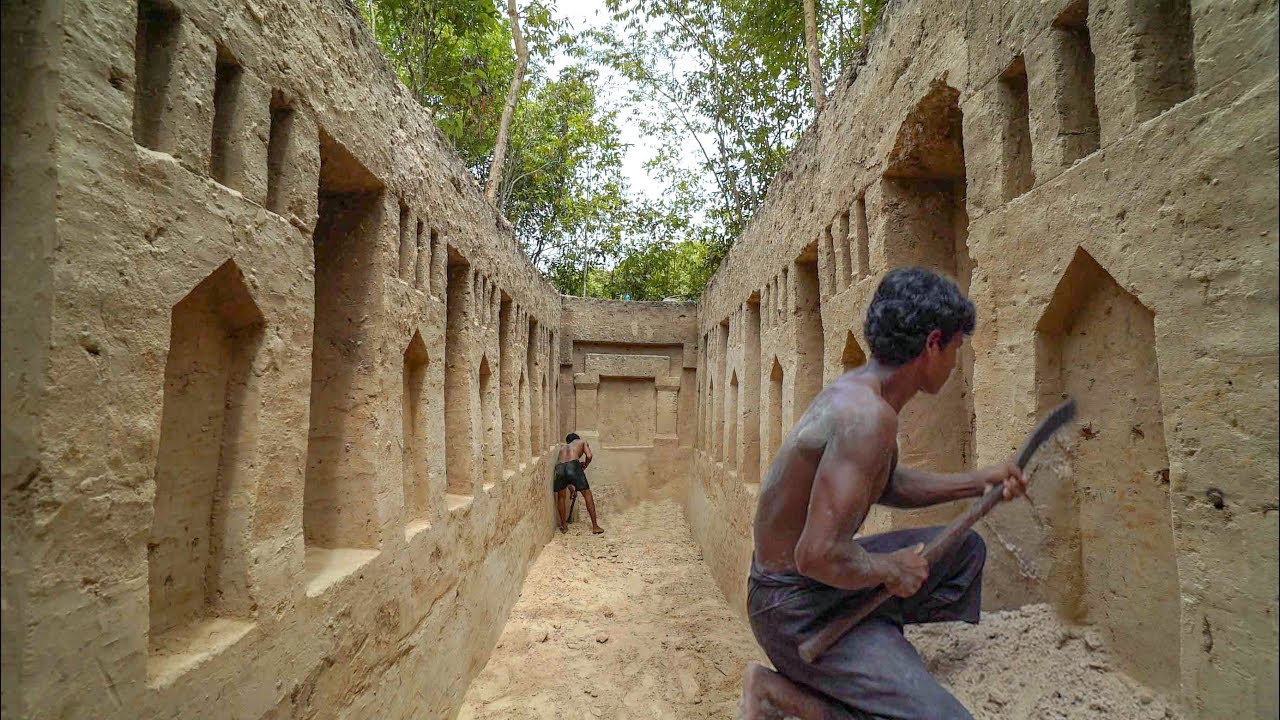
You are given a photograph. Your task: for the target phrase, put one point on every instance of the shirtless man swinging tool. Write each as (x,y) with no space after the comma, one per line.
(839,459)
(571,477)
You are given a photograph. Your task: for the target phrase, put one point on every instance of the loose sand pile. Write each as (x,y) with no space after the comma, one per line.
(630,624)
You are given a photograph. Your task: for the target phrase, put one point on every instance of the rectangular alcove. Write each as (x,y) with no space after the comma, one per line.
(405,257)
(200,596)
(773,413)
(1164,53)
(863,235)
(809,343)
(536,430)
(1016,161)
(750,403)
(1104,489)
(339,523)
(225,159)
(413,444)
(459,384)
(1078,127)
(155,44)
(488,424)
(925,223)
(278,146)
(732,420)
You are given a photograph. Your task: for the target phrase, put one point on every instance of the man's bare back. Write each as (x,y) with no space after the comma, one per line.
(575,450)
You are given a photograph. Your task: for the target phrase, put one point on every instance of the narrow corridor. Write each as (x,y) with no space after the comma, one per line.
(628,624)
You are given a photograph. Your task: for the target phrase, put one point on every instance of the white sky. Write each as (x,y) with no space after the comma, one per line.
(584,14)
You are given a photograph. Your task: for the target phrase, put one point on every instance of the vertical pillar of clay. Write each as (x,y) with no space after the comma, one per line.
(841,239)
(668,390)
(509,370)
(750,393)
(585,386)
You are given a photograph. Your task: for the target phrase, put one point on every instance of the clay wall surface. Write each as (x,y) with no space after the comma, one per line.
(1101,178)
(626,386)
(244,276)
(281,392)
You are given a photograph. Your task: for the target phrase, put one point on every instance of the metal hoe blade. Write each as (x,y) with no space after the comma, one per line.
(1059,416)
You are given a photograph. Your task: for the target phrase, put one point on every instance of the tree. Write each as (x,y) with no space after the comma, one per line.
(725,80)
(508,108)
(814,55)
(722,79)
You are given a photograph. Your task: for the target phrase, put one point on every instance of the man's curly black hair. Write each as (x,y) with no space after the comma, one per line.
(909,304)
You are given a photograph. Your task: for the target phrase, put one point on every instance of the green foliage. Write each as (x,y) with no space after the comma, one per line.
(565,161)
(727,77)
(456,57)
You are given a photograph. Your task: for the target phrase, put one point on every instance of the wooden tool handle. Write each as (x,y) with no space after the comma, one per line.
(941,544)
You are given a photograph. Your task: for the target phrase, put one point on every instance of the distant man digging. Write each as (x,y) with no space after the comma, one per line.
(840,459)
(571,477)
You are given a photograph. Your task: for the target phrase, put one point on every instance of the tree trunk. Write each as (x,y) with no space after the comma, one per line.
(509,109)
(815,58)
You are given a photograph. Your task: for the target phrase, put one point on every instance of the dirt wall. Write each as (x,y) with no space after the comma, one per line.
(1101,178)
(243,275)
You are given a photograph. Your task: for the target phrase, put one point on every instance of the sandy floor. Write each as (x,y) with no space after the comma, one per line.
(631,625)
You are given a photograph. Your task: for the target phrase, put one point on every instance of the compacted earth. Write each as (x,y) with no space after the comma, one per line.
(630,625)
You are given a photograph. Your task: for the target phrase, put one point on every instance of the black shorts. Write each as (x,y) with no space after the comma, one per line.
(570,473)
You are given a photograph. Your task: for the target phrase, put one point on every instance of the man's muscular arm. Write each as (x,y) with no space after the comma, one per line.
(842,493)
(912,488)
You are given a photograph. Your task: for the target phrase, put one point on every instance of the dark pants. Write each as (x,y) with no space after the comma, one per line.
(569,473)
(873,671)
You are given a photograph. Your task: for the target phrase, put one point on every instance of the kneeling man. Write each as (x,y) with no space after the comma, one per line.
(840,459)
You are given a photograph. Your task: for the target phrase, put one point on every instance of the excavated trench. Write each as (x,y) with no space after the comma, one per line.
(631,625)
